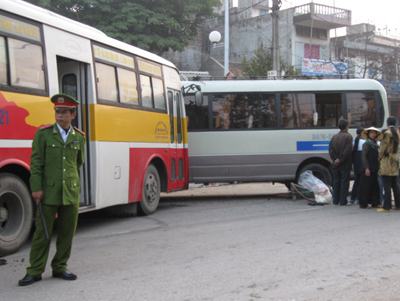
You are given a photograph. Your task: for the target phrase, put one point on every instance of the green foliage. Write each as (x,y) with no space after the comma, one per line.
(261,63)
(154,25)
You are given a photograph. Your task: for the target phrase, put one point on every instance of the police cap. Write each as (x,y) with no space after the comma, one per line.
(64,100)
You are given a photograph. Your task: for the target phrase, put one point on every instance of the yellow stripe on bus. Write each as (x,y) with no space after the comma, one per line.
(39,108)
(109,123)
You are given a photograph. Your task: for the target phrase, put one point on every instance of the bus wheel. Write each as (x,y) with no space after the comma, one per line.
(320,171)
(16,213)
(151,191)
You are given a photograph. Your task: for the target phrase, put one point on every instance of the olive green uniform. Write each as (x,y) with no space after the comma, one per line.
(55,171)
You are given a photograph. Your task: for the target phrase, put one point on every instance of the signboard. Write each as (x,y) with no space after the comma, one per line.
(113,56)
(19,28)
(314,67)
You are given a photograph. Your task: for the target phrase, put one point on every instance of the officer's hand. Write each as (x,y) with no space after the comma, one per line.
(367,172)
(37,196)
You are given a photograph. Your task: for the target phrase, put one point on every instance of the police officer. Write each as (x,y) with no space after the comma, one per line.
(57,155)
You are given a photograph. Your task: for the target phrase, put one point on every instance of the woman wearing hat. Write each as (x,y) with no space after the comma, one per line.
(389,164)
(369,187)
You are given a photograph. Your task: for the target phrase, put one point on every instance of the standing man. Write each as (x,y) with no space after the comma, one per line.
(357,165)
(57,155)
(340,151)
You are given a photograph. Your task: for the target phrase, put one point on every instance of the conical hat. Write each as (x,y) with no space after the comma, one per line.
(364,133)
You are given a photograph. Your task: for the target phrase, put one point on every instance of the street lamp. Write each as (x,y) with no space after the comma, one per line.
(214,37)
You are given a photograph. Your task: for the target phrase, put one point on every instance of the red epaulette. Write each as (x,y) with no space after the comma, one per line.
(80,131)
(43,127)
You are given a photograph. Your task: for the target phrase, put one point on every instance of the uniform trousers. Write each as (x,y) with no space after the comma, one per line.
(66,221)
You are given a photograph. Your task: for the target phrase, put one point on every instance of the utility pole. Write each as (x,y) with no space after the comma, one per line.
(226,39)
(276,5)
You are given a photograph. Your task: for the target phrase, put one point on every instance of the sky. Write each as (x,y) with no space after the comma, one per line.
(384,14)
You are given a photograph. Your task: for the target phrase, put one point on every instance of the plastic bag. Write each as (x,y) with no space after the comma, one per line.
(320,189)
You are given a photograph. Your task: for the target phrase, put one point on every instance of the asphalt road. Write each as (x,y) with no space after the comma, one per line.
(263,247)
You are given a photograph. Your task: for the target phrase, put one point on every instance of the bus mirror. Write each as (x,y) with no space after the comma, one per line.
(315,119)
(198,97)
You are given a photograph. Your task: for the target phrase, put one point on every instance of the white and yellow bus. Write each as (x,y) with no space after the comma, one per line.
(272,130)
(131,111)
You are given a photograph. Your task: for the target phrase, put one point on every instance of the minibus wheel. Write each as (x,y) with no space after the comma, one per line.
(320,171)
(151,191)
(16,213)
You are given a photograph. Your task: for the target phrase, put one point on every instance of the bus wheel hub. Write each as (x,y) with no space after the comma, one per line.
(3,214)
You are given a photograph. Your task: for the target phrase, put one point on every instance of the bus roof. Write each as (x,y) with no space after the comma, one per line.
(50,18)
(226,86)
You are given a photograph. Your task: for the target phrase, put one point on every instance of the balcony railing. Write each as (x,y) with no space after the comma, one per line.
(334,15)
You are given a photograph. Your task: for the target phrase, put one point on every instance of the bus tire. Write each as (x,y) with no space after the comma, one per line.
(320,171)
(16,213)
(150,192)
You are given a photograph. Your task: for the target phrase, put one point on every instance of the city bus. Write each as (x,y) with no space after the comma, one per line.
(273,130)
(131,110)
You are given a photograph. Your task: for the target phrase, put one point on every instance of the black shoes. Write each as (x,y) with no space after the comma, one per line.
(65,275)
(28,280)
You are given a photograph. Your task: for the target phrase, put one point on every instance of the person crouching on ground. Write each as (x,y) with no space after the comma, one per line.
(389,164)
(369,187)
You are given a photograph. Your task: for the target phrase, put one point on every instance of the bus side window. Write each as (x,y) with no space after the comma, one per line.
(197,114)
(263,110)
(362,107)
(297,110)
(329,108)
(222,111)
(106,82)
(26,64)
(3,62)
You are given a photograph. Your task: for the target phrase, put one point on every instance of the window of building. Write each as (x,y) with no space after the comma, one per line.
(26,64)
(363,109)
(106,82)
(317,33)
(312,51)
(127,86)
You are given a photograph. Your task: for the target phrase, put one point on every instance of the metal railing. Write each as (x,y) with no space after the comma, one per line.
(324,10)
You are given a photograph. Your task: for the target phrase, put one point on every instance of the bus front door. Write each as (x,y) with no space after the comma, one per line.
(178,161)
(73,80)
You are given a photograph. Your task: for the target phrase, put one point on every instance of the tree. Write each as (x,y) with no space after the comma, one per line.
(154,25)
(261,63)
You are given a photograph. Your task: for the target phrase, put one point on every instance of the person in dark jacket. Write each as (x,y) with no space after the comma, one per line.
(369,187)
(340,150)
(357,165)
